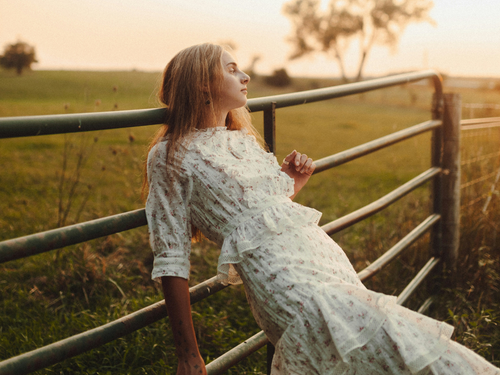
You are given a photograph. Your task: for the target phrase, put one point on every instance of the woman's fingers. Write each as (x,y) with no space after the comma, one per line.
(303,161)
(288,161)
(303,164)
(300,162)
(290,157)
(307,166)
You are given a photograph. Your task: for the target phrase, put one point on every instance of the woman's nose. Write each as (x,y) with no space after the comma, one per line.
(246,78)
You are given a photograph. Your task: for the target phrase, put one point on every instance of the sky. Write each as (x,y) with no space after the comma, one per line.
(145,34)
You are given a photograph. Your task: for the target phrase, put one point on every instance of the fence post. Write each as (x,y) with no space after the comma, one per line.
(436,161)
(451,181)
(270,139)
(270,127)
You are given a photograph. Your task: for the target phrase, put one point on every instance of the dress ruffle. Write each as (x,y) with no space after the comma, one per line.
(418,340)
(254,230)
(307,298)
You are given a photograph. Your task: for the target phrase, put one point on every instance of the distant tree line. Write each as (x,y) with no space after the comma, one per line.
(18,56)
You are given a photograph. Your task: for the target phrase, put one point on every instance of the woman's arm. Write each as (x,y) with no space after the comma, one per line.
(299,167)
(176,292)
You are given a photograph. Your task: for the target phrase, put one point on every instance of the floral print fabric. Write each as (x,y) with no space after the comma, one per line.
(225,185)
(307,298)
(302,289)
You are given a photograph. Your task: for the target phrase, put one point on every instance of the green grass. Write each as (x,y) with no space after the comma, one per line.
(54,295)
(50,92)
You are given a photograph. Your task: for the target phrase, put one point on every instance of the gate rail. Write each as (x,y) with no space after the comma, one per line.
(443,221)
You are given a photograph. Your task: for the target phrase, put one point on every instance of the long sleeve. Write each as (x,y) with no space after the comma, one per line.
(168,216)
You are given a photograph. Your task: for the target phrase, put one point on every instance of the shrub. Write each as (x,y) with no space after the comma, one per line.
(280,78)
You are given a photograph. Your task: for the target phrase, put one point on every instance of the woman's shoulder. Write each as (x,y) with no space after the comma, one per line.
(217,131)
(212,136)
(200,140)
(158,154)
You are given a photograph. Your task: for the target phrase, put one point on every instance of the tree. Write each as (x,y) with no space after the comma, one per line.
(19,56)
(331,30)
(280,78)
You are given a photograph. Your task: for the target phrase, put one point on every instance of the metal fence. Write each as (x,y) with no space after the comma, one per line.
(444,173)
(480,159)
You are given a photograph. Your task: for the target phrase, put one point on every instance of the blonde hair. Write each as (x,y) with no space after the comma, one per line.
(189,90)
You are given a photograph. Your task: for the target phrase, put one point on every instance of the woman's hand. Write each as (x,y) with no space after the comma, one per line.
(191,365)
(299,167)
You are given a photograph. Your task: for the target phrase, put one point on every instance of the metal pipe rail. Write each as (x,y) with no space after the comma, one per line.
(236,354)
(397,249)
(381,203)
(303,97)
(38,243)
(417,280)
(372,146)
(27,126)
(425,306)
(480,123)
(24,126)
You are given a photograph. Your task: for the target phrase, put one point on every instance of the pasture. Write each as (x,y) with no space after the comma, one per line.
(49,181)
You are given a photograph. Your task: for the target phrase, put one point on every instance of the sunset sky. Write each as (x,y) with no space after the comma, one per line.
(144,35)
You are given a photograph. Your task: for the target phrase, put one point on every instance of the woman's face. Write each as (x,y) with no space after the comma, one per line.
(234,85)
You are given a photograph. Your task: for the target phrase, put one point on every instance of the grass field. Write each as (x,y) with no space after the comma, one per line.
(54,295)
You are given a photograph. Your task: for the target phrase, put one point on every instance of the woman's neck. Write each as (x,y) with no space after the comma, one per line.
(221,120)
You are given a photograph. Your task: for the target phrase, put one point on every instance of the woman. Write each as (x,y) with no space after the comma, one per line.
(206,172)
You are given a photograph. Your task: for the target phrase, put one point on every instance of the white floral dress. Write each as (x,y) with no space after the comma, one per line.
(302,289)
